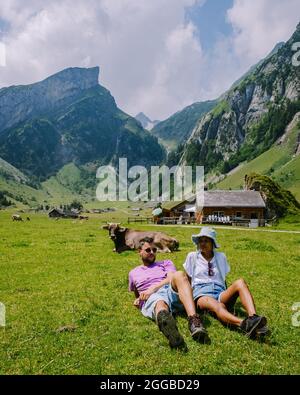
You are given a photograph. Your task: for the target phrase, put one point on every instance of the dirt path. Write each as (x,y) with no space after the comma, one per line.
(229,228)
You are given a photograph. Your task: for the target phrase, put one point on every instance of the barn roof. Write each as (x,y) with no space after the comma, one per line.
(64,213)
(56,210)
(228,199)
(233,199)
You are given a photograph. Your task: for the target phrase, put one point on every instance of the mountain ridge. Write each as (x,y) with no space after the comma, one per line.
(76,120)
(19,102)
(250,116)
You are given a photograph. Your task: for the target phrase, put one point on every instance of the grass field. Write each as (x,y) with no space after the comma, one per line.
(55,274)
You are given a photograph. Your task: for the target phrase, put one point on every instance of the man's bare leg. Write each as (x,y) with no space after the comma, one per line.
(161,306)
(181,284)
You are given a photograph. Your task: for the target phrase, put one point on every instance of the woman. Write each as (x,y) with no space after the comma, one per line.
(207,270)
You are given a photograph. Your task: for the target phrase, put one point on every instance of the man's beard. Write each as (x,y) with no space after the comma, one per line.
(149,261)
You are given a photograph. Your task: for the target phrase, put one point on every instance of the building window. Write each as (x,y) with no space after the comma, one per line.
(254,216)
(239,214)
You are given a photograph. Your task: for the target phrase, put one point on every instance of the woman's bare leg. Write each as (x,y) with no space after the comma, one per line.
(240,288)
(208,303)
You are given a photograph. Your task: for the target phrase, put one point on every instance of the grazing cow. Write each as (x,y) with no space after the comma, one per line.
(129,239)
(83,217)
(16,217)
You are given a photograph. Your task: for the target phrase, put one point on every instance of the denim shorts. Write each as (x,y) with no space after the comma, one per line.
(213,290)
(167,295)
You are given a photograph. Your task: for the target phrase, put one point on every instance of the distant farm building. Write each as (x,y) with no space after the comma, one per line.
(244,208)
(58,213)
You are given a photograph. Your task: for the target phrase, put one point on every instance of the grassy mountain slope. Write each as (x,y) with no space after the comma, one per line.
(279,162)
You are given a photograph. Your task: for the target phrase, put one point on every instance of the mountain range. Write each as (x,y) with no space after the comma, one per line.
(69,118)
(55,133)
(250,117)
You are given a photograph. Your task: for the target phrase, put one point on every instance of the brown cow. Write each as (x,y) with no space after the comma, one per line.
(129,239)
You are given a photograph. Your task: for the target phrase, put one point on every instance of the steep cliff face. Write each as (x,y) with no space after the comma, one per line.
(67,118)
(251,116)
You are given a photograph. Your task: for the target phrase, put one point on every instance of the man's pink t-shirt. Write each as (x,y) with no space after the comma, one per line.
(143,277)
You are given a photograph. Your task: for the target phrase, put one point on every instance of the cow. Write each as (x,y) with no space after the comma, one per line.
(16,217)
(129,239)
(83,217)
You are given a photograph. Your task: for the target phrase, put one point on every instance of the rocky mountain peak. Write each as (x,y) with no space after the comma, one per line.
(78,78)
(19,103)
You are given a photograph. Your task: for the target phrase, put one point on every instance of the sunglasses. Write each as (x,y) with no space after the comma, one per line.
(210,269)
(148,250)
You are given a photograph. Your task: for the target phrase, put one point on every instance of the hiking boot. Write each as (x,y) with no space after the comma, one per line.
(196,327)
(167,325)
(252,324)
(263,332)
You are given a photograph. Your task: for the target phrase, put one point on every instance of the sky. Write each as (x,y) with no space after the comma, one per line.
(155,56)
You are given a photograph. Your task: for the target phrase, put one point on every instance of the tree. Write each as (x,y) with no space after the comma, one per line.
(76,204)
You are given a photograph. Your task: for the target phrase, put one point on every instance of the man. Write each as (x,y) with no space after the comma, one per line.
(162,291)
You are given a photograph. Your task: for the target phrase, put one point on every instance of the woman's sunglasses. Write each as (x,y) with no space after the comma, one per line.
(210,269)
(148,250)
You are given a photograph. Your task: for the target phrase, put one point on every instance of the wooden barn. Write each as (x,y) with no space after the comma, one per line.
(58,213)
(243,207)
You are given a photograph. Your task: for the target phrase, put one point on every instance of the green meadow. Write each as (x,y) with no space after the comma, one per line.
(68,310)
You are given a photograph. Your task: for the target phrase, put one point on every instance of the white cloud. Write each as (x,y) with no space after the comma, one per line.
(129,39)
(2,55)
(176,78)
(149,55)
(260,24)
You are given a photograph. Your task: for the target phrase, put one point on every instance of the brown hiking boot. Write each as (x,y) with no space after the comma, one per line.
(197,330)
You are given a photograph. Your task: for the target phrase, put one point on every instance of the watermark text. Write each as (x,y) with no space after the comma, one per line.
(157,184)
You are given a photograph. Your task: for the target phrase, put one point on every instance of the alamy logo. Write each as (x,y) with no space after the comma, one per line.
(2,315)
(2,54)
(296,56)
(159,184)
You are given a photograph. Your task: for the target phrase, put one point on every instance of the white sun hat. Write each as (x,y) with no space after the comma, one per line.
(207,232)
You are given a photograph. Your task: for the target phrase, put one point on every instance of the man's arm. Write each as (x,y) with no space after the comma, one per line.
(132,288)
(146,294)
(136,302)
